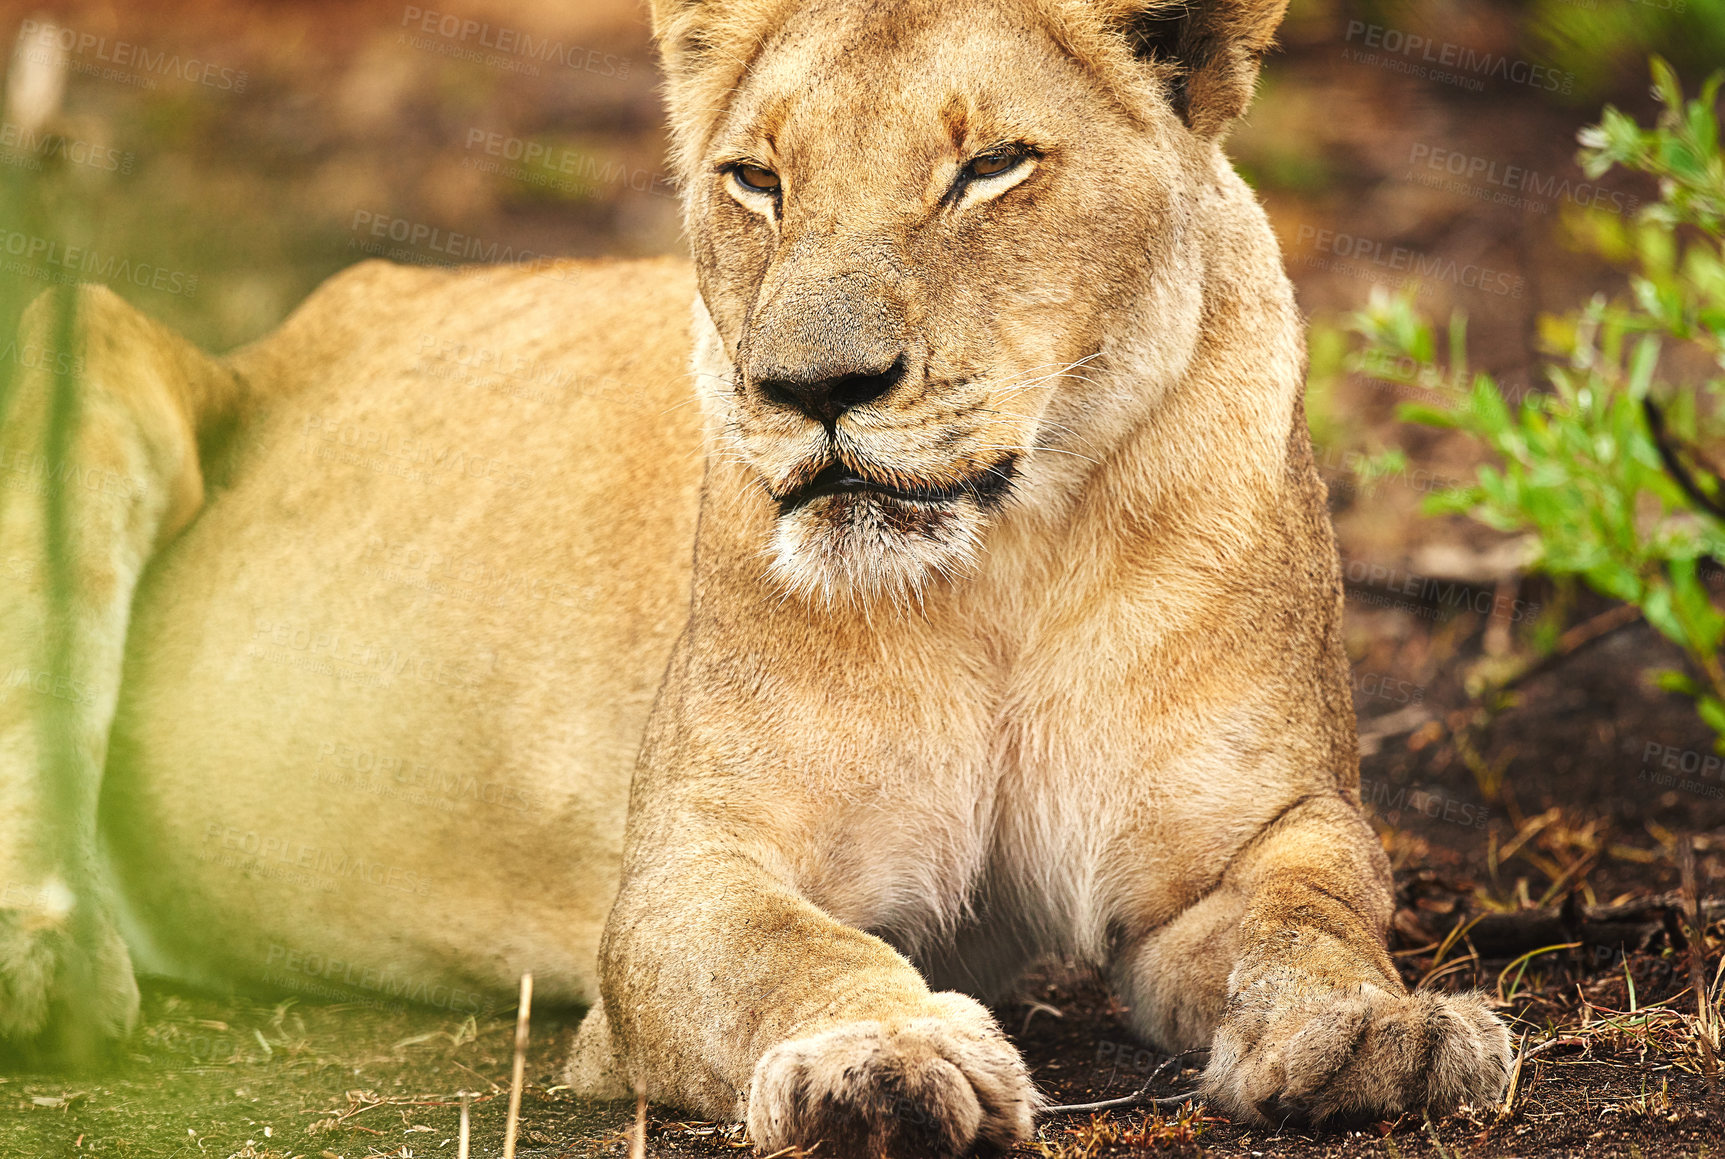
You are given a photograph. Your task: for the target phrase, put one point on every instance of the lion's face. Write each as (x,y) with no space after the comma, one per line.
(930,238)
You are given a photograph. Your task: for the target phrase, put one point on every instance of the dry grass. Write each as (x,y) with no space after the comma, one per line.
(1104,1135)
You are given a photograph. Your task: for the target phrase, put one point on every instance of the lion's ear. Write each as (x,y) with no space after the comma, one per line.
(695,34)
(1206,50)
(685,30)
(705,46)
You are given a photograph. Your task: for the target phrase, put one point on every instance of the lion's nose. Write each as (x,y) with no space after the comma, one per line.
(824,396)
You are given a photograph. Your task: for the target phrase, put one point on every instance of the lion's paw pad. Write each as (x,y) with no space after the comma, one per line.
(1286,1054)
(926,1087)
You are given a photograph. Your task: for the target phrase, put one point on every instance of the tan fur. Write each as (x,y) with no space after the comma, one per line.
(901,746)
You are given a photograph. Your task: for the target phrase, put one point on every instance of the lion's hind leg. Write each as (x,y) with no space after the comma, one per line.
(98,468)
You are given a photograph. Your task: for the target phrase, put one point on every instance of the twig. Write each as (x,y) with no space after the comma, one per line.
(1456,934)
(638,1137)
(1515,1076)
(522,1014)
(1631,924)
(1572,641)
(1561,1040)
(1674,465)
(1521,1058)
(482,1078)
(1527,831)
(1139,1098)
(1437,1143)
(1522,962)
(1034,1006)
(461,1142)
(1706,1028)
(1135,1100)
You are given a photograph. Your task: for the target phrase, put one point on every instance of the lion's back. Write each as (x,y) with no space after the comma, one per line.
(557,332)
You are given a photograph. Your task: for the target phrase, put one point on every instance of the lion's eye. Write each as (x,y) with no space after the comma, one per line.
(756,178)
(994,164)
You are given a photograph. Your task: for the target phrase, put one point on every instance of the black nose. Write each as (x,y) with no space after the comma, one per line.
(825,396)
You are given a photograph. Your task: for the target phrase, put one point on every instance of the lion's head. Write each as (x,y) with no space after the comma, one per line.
(947,248)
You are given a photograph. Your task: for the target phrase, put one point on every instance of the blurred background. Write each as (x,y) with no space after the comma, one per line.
(214,160)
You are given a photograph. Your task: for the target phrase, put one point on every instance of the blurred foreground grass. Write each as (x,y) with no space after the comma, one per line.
(216,1078)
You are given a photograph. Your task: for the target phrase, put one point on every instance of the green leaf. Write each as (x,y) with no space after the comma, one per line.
(1703,625)
(1614,578)
(1673,680)
(1488,405)
(1426,415)
(1641,367)
(1656,606)
(1713,713)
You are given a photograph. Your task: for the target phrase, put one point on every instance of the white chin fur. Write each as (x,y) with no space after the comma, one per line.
(865,550)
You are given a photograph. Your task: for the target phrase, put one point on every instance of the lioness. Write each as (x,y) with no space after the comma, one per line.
(982,605)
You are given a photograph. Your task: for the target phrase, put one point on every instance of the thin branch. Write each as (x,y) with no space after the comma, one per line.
(1675,466)
(1139,1098)
(1589,631)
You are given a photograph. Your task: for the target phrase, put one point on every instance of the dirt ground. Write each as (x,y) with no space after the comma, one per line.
(1575,793)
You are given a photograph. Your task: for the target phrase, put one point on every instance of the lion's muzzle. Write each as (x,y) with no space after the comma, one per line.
(987,487)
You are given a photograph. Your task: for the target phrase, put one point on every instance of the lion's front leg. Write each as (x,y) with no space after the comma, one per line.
(1283,974)
(726,992)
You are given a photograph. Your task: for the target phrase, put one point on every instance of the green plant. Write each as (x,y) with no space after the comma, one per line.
(1608,471)
(1603,42)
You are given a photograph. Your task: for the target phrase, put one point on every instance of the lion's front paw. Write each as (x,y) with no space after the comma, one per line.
(65,987)
(1289,1051)
(926,1087)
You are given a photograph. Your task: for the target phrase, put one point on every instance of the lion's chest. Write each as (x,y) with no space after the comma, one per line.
(1041,793)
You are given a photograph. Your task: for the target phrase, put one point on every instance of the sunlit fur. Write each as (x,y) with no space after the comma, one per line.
(866,762)
(1117,726)
(1047,353)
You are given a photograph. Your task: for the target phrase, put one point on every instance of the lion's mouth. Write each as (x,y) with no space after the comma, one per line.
(986,487)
